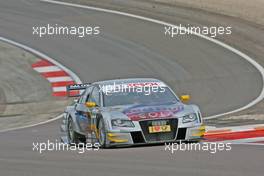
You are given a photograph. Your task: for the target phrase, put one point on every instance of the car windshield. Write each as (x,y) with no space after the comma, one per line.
(163,95)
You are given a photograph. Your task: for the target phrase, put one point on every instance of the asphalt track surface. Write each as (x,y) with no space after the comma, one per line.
(217,79)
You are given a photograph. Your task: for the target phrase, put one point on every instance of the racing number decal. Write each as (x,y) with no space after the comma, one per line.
(159,129)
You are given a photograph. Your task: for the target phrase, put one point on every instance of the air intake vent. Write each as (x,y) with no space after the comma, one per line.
(181,134)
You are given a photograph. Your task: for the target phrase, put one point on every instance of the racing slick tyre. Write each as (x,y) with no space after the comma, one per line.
(102,134)
(73,136)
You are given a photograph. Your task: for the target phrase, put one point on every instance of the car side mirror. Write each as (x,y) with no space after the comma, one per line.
(185,98)
(90,104)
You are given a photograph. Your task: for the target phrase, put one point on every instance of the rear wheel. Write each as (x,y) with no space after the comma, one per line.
(74,137)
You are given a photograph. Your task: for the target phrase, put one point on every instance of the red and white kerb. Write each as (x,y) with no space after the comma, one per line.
(58,78)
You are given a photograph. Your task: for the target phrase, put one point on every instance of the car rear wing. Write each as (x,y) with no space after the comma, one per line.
(75,90)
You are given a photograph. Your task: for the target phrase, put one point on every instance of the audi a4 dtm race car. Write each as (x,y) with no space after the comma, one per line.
(127,112)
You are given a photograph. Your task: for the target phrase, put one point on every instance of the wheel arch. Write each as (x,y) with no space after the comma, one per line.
(76,125)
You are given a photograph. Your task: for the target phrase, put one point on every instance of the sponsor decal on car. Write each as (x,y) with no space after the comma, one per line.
(141,112)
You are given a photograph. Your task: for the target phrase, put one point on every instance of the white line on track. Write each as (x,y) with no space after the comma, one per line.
(246,57)
(257,144)
(44,56)
(28,126)
(246,140)
(77,79)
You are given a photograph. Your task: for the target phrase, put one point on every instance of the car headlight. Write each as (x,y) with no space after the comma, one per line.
(122,123)
(189,118)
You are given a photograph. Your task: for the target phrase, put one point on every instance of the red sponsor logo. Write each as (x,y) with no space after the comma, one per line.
(152,112)
(150,84)
(157,128)
(151,115)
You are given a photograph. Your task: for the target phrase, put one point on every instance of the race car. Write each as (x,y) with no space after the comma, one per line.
(126,112)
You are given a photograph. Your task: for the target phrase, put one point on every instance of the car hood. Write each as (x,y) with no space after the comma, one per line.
(143,112)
